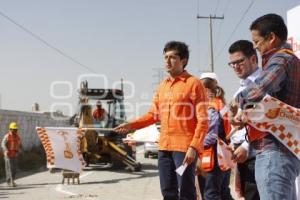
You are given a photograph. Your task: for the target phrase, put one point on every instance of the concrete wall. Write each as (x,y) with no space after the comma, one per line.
(27,121)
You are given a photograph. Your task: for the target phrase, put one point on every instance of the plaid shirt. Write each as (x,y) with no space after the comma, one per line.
(280,78)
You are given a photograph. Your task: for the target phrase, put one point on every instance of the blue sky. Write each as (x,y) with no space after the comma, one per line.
(117,39)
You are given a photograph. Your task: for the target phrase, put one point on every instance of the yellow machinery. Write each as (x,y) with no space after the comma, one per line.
(101,144)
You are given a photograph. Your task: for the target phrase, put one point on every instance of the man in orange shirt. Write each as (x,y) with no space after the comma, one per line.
(180,105)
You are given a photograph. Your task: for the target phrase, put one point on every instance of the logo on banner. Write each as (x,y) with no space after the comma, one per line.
(282,114)
(273,113)
(68,151)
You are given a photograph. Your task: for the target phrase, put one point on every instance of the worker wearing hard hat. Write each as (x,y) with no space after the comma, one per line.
(99,113)
(11,145)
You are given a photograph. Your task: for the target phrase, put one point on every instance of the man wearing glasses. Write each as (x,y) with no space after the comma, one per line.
(243,60)
(276,168)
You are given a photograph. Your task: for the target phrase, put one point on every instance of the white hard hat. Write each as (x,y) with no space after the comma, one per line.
(209,75)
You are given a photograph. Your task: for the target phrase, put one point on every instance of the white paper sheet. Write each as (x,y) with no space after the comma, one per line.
(180,170)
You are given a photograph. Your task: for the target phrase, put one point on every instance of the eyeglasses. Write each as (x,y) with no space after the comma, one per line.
(237,62)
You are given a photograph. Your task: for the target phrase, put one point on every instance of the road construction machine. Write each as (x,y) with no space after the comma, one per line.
(101,145)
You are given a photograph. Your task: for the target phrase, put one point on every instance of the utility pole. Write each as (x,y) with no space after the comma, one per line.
(210,17)
(158,76)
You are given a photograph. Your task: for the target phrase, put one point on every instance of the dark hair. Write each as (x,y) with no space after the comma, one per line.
(221,94)
(180,47)
(270,23)
(215,88)
(245,46)
(210,84)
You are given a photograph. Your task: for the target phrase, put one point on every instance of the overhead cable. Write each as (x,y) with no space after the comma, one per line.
(47,43)
(241,19)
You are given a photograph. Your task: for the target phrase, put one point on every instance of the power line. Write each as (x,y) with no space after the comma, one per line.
(221,25)
(198,36)
(215,12)
(217,6)
(47,43)
(210,17)
(241,19)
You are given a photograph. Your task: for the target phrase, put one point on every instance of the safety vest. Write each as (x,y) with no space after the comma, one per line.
(99,114)
(13,144)
(219,105)
(211,155)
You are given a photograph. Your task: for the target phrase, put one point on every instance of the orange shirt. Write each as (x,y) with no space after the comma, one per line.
(218,104)
(180,105)
(99,114)
(255,134)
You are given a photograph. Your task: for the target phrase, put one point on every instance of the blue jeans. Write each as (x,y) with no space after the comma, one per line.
(173,186)
(247,176)
(217,187)
(213,184)
(275,174)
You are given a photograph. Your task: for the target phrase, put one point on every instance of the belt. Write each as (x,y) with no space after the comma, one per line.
(269,142)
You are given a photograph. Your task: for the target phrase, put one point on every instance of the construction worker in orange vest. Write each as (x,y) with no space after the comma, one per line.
(99,113)
(11,145)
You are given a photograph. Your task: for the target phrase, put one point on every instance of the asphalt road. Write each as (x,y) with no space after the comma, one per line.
(96,183)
